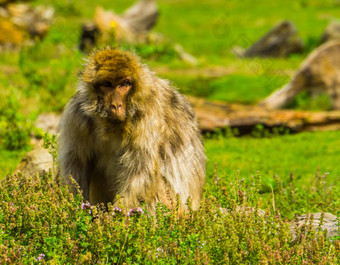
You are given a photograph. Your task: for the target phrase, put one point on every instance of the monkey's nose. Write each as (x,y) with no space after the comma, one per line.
(116,107)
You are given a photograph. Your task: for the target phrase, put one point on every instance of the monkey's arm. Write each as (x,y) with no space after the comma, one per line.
(74,155)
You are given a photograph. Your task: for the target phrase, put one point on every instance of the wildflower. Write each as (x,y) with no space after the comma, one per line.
(85,205)
(159,251)
(135,211)
(40,257)
(117,209)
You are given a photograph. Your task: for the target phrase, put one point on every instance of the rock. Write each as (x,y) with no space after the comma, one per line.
(319,73)
(142,16)
(48,122)
(329,222)
(332,32)
(39,158)
(35,161)
(21,23)
(130,27)
(281,41)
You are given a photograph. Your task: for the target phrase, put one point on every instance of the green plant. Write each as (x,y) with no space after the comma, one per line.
(41,221)
(163,52)
(50,143)
(14,128)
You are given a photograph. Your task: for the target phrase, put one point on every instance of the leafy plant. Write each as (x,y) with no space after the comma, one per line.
(42,222)
(50,143)
(14,128)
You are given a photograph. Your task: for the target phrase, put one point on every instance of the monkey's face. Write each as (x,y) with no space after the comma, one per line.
(112,78)
(112,96)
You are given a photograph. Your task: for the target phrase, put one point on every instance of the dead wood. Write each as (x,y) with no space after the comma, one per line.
(319,73)
(216,115)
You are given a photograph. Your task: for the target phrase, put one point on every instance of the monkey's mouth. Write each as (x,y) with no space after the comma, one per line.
(115,118)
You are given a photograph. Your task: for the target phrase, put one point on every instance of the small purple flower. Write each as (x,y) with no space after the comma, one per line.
(86,205)
(40,257)
(117,209)
(159,251)
(135,211)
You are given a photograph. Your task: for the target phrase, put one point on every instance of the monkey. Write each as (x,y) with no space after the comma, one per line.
(130,133)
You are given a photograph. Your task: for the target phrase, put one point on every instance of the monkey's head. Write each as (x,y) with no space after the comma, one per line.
(111,77)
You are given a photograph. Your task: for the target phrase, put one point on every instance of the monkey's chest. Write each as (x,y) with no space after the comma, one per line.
(106,157)
(103,175)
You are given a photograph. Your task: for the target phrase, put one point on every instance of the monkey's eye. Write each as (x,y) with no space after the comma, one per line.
(106,83)
(126,82)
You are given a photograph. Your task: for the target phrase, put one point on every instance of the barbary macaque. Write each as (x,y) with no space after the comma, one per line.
(127,132)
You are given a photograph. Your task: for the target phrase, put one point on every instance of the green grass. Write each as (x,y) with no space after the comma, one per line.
(301,154)
(9,161)
(233,88)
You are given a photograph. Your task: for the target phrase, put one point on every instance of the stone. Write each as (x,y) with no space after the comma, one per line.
(332,32)
(35,161)
(281,41)
(329,223)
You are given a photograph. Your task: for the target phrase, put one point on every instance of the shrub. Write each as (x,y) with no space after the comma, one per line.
(14,128)
(41,221)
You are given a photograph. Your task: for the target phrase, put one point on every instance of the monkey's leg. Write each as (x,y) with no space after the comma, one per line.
(97,189)
(71,165)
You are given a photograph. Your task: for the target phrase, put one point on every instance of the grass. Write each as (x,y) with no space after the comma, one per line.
(301,154)
(42,222)
(43,77)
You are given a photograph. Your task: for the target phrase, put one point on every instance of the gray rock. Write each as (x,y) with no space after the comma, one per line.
(35,161)
(281,41)
(49,122)
(332,32)
(329,222)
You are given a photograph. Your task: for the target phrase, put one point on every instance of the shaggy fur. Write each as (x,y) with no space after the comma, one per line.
(153,154)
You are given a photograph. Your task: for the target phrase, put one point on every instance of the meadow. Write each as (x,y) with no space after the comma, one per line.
(299,172)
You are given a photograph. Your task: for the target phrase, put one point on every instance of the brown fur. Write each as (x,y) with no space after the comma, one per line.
(151,153)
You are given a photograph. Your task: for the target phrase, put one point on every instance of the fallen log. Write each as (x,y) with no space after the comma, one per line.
(217,115)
